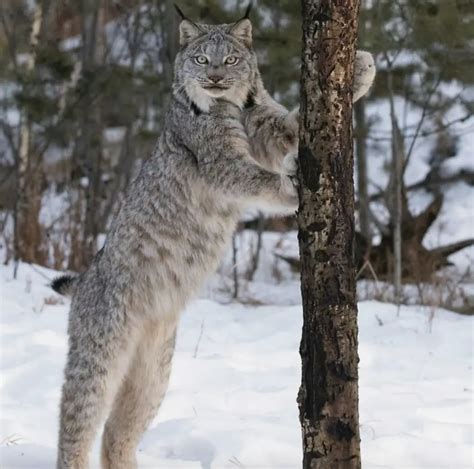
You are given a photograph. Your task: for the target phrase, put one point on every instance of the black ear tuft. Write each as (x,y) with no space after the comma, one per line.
(180,12)
(248,10)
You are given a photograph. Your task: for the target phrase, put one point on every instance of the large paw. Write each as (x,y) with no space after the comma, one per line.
(292,120)
(289,135)
(289,181)
(290,164)
(289,191)
(364,73)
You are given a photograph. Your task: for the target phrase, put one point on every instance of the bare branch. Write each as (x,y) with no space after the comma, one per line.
(450,249)
(420,123)
(427,133)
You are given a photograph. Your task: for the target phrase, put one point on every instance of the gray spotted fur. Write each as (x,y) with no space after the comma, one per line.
(220,151)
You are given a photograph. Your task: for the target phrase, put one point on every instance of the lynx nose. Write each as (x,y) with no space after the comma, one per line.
(215,78)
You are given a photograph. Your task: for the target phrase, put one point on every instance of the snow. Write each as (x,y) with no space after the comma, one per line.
(457,119)
(231,400)
(114,134)
(455,223)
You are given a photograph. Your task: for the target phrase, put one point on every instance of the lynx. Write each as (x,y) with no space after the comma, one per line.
(225,145)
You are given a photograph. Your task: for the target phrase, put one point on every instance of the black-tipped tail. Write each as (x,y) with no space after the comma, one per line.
(64,285)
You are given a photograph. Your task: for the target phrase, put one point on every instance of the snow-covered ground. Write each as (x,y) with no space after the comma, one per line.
(231,401)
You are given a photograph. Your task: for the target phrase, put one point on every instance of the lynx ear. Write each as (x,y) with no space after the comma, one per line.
(242,30)
(188,31)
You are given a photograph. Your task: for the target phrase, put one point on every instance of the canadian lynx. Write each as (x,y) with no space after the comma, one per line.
(223,147)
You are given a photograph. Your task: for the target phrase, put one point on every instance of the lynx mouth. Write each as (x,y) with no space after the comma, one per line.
(216,87)
(215,91)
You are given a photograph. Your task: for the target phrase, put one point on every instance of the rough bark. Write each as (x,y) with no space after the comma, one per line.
(328,397)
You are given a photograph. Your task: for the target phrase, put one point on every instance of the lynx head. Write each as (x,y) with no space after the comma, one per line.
(215,62)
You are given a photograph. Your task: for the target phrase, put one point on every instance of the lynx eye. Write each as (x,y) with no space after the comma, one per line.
(231,60)
(201,59)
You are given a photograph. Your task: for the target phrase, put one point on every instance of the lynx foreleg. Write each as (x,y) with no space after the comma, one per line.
(273,130)
(230,167)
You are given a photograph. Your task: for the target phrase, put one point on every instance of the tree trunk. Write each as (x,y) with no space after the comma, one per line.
(398,204)
(28,242)
(361,132)
(87,153)
(170,42)
(328,396)
(362,180)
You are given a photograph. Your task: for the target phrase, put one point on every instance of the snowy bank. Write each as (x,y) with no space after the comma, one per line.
(232,397)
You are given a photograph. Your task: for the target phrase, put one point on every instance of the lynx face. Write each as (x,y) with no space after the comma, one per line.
(216,62)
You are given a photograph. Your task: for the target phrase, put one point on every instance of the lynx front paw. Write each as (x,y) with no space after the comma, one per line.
(288,188)
(288,191)
(364,73)
(292,120)
(290,164)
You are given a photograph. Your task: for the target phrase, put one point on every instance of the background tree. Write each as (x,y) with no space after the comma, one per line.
(328,397)
(92,119)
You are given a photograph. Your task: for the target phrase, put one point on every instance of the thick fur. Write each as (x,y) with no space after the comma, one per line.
(168,236)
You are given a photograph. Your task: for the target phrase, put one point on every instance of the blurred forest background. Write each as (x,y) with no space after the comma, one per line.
(84,85)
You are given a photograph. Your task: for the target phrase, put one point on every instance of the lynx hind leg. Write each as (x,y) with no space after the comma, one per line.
(364,73)
(140,396)
(98,355)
